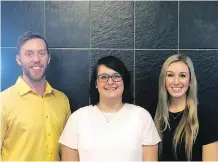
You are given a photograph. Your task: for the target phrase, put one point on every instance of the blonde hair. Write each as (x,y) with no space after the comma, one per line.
(188,126)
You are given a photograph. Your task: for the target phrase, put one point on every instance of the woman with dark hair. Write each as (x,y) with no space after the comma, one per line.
(111,129)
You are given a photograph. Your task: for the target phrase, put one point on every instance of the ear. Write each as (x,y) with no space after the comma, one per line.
(18,59)
(49,58)
(96,86)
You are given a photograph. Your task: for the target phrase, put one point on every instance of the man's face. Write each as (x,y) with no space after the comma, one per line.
(33,59)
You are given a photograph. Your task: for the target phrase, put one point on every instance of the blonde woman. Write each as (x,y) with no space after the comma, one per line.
(188,130)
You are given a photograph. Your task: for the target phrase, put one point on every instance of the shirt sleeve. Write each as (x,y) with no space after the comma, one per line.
(69,136)
(208,126)
(150,135)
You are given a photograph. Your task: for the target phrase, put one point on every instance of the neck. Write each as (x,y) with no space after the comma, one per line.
(110,106)
(37,86)
(177,104)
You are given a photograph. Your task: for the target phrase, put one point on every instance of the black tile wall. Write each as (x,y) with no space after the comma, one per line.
(141,33)
(112,24)
(10,70)
(67,24)
(198,25)
(68,72)
(18,17)
(156,25)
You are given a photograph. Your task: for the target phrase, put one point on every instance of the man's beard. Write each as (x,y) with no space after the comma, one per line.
(34,78)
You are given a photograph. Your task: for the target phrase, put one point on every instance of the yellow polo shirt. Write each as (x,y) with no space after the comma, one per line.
(31,124)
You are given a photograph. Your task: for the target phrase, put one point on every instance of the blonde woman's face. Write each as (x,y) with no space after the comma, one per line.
(177,79)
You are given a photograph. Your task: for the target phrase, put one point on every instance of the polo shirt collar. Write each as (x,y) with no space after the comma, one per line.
(24,88)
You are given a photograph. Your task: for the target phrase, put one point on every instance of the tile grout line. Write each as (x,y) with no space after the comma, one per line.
(206,49)
(134,53)
(178,26)
(44,20)
(90,45)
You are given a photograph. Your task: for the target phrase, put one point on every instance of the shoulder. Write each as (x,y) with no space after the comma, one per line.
(81,112)
(138,110)
(8,95)
(59,94)
(9,92)
(84,109)
(8,99)
(60,100)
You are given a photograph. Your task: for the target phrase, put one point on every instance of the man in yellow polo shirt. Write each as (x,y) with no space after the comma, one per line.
(33,114)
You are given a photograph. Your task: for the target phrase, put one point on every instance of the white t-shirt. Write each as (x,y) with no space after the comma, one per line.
(120,139)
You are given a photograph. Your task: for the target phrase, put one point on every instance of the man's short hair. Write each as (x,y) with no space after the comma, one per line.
(28,36)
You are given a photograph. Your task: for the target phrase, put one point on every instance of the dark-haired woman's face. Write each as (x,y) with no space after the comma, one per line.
(109,83)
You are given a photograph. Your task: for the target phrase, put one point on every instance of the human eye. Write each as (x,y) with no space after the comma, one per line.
(182,75)
(42,53)
(28,53)
(170,75)
(103,77)
(116,76)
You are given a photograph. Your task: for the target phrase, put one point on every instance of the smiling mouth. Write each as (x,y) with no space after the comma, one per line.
(111,89)
(176,89)
(37,68)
